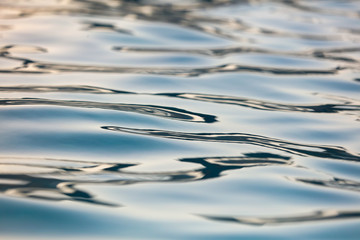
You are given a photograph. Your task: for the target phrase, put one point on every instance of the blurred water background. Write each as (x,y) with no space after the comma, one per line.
(192,119)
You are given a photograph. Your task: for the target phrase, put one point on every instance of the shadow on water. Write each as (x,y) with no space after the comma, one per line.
(320,151)
(56,179)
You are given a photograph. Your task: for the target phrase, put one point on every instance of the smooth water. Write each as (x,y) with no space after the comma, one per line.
(208,119)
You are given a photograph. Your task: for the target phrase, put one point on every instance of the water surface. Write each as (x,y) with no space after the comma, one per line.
(207,119)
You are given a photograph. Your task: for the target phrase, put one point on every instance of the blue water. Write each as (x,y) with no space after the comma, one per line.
(207,119)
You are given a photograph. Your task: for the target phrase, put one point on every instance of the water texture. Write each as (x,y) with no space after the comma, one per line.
(193,119)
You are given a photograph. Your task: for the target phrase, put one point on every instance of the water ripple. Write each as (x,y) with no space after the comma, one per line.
(221,52)
(321,151)
(158,111)
(350,105)
(346,105)
(321,215)
(30,66)
(56,179)
(334,183)
(293,64)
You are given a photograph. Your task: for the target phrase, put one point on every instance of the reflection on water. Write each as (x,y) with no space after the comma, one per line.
(315,216)
(347,105)
(41,178)
(168,112)
(65,88)
(31,66)
(321,151)
(333,183)
(105,26)
(264,96)
(221,52)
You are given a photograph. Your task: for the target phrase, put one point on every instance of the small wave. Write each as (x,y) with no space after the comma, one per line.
(321,215)
(56,179)
(321,151)
(334,183)
(350,105)
(183,56)
(347,105)
(31,66)
(36,67)
(220,52)
(153,110)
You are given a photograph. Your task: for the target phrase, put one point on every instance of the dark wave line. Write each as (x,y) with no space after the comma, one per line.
(295,4)
(30,66)
(266,105)
(322,215)
(220,52)
(136,10)
(183,15)
(38,185)
(7,50)
(92,25)
(321,151)
(153,110)
(63,88)
(58,179)
(145,7)
(338,50)
(335,183)
(63,176)
(348,106)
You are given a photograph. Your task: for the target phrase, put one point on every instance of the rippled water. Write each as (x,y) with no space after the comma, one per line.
(207,119)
